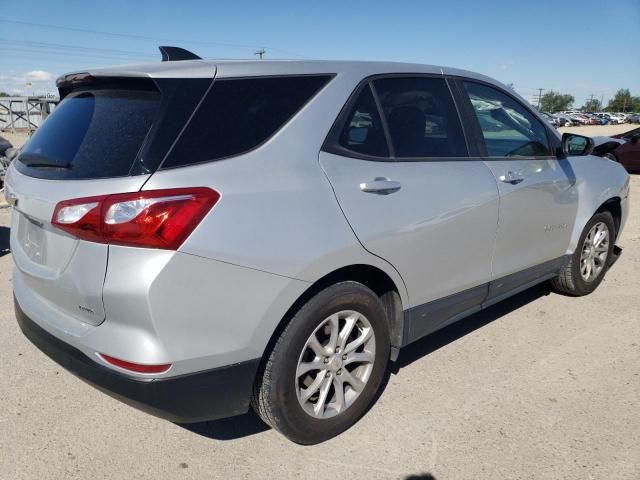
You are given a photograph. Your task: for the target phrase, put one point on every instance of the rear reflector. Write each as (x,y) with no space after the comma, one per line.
(153,219)
(135,367)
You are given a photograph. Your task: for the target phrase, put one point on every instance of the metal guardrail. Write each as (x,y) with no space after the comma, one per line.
(25,113)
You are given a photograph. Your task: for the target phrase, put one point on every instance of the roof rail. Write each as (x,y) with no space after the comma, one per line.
(172,54)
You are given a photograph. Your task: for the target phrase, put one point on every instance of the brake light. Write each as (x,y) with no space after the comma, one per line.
(153,219)
(135,367)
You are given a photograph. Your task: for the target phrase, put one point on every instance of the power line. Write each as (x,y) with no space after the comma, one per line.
(539,95)
(58,46)
(138,37)
(46,52)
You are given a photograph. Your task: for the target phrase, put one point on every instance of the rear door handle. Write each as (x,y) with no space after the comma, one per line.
(512,178)
(381,186)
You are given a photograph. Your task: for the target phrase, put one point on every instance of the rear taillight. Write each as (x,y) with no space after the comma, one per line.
(152,219)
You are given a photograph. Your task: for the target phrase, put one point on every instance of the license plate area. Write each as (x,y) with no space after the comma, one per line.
(33,239)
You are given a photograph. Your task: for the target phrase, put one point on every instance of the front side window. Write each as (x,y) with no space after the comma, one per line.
(508,128)
(421,117)
(363,132)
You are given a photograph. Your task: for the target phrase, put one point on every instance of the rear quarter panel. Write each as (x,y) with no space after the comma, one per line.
(277,212)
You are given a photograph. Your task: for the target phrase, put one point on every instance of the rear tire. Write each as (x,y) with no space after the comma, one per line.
(590,261)
(314,353)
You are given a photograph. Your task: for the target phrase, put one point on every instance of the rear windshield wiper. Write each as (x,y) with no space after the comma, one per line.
(36,160)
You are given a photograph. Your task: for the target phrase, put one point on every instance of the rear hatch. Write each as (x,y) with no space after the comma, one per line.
(107,136)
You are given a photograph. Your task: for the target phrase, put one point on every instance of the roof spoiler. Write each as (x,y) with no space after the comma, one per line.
(172,54)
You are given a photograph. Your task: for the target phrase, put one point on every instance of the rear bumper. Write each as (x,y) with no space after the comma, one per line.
(207,395)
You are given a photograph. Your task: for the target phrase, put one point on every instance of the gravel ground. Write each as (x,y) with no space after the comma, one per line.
(541,386)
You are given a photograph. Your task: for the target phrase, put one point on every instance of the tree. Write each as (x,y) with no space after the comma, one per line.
(555,101)
(621,101)
(592,105)
(4,94)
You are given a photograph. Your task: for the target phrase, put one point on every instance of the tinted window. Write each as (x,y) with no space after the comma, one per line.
(240,114)
(509,129)
(363,131)
(421,116)
(92,134)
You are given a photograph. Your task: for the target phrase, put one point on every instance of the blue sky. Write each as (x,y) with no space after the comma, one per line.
(579,47)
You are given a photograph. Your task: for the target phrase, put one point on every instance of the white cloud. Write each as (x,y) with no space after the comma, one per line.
(39,76)
(42,82)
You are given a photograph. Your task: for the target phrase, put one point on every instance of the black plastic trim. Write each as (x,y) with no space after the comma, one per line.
(424,319)
(429,317)
(206,395)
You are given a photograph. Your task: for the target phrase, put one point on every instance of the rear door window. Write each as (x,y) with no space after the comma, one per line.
(508,128)
(238,115)
(421,117)
(91,134)
(363,132)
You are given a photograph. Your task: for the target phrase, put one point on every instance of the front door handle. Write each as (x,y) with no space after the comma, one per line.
(381,186)
(512,178)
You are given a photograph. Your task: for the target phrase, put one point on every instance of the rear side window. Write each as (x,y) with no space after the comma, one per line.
(421,117)
(508,128)
(91,134)
(238,115)
(363,132)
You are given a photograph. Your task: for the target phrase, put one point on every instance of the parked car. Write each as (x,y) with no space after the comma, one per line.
(6,153)
(628,153)
(566,121)
(273,233)
(551,119)
(603,120)
(634,118)
(613,118)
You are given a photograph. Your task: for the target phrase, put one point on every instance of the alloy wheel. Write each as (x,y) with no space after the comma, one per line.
(335,364)
(595,251)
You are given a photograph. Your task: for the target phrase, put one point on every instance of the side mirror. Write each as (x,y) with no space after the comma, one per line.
(635,139)
(576,145)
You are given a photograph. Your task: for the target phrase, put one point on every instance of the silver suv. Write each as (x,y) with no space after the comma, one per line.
(194,237)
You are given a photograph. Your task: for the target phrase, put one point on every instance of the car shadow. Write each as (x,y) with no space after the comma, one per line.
(451,333)
(231,428)
(4,241)
(249,424)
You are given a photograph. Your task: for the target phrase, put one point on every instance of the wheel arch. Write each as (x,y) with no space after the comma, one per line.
(614,207)
(379,281)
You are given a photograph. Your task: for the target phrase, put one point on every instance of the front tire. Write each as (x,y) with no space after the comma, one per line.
(327,365)
(590,261)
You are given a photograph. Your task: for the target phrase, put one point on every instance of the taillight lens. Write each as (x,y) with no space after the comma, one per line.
(135,367)
(152,219)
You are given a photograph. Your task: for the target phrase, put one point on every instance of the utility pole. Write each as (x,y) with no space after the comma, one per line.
(539,96)
(260,53)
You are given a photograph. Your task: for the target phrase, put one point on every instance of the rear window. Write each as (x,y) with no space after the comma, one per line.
(238,115)
(91,134)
